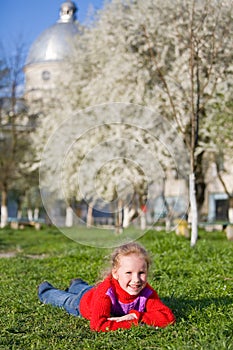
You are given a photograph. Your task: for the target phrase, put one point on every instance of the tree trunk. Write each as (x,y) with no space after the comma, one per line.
(36,213)
(193,209)
(30,214)
(126,220)
(128,215)
(4,210)
(90,216)
(142,216)
(119,218)
(142,220)
(230,210)
(200,185)
(168,223)
(69,216)
(229,229)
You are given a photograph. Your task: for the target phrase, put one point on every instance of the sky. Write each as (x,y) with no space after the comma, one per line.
(25,20)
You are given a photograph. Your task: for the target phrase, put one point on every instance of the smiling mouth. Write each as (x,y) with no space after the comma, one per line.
(135,287)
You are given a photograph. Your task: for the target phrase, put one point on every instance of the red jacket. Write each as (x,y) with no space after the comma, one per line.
(96,306)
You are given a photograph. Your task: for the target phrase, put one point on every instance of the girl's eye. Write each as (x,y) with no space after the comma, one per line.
(142,272)
(128,272)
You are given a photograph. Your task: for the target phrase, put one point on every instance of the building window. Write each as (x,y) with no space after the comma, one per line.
(218,207)
(222,207)
(45,75)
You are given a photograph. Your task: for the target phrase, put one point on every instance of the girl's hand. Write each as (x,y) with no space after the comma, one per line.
(127,317)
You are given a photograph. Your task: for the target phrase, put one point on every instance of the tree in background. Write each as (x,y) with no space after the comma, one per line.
(105,155)
(201,34)
(173,56)
(16,156)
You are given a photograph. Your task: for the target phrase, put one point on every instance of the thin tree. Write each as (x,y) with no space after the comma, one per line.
(15,126)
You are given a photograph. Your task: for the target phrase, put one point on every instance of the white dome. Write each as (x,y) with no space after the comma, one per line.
(55,42)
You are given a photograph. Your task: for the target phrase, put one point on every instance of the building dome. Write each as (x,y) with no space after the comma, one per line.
(55,42)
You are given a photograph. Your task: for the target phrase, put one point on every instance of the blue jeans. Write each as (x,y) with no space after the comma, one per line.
(69,299)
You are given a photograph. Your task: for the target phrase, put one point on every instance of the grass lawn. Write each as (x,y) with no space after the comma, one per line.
(197,283)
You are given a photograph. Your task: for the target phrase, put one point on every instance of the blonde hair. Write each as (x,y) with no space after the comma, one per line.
(128,249)
(125,250)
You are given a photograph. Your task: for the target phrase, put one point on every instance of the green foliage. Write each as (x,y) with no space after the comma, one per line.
(196,283)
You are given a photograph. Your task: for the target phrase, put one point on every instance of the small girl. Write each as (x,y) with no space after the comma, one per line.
(122,299)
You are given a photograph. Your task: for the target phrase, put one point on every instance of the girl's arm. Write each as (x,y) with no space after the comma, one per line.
(127,317)
(157,314)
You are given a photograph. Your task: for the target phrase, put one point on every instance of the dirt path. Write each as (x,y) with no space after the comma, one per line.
(14,253)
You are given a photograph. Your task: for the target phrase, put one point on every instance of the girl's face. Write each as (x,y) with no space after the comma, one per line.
(131,273)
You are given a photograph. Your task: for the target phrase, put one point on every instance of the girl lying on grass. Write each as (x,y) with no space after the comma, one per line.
(122,299)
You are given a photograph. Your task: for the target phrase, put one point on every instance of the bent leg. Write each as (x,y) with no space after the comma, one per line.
(77,285)
(56,297)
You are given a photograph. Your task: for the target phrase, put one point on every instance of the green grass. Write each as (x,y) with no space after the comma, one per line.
(197,283)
